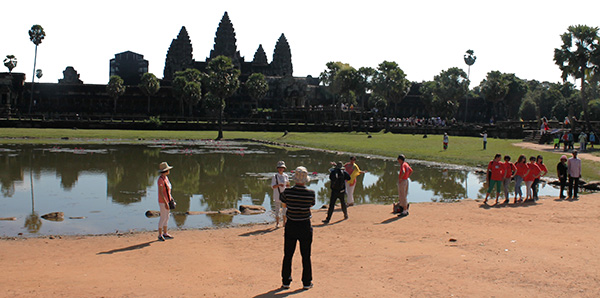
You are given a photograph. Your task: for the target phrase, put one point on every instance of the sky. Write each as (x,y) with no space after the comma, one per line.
(424,37)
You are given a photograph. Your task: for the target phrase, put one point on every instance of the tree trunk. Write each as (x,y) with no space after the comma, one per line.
(584,105)
(33,80)
(220,136)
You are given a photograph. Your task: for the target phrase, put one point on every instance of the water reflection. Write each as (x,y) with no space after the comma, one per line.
(113,185)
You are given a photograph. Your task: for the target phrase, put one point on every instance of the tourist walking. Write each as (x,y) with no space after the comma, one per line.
(522,171)
(574,168)
(534,172)
(571,139)
(582,141)
(446,141)
(494,175)
(353,170)
(562,173)
(164,197)
(543,171)
(338,178)
(484,135)
(298,200)
(565,140)
(279,182)
(403,175)
(509,172)
(592,139)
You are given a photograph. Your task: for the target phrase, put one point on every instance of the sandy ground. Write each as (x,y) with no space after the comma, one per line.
(545,249)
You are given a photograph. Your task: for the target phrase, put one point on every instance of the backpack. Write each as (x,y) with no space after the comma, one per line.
(337,180)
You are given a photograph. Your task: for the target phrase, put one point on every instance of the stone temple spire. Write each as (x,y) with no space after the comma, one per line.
(225,41)
(260,57)
(179,56)
(282,58)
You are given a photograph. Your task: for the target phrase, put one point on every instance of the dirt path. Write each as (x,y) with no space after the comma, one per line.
(545,249)
(550,148)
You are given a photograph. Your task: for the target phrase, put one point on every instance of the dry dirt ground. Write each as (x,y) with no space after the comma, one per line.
(549,248)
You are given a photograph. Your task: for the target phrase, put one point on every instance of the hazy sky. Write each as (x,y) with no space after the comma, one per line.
(423,37)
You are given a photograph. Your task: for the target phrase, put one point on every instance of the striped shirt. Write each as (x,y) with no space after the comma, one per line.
(298,200)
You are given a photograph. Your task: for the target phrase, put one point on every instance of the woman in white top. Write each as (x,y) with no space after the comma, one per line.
(279,182)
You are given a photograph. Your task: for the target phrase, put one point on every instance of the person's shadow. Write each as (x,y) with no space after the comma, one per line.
(258,232)
(129,248)
(276,293)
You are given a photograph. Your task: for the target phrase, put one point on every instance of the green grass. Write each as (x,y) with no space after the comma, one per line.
(462,150)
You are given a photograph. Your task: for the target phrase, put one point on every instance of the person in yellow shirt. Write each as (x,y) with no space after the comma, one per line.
(351,168)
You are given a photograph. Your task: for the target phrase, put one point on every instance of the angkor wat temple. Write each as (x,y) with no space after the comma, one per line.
(71,96)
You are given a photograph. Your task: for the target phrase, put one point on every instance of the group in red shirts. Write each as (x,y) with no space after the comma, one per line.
(499,175)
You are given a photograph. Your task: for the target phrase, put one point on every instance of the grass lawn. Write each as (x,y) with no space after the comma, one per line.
(461,150)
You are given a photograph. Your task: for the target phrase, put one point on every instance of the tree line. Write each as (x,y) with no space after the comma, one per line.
(510,97)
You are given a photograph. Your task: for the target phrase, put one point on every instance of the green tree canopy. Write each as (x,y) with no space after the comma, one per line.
(441,95)
(149,85)
(114,89)
(517,88)
(579,57)
(257,87)
(223,82)
(186,93)
(528,110)
(390,82)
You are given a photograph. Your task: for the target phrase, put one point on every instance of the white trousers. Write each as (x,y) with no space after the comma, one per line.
(164,215)
(350,192)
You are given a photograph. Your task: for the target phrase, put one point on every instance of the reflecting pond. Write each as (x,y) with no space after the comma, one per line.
(108,188)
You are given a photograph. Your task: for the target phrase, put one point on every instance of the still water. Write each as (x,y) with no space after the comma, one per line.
(108,188)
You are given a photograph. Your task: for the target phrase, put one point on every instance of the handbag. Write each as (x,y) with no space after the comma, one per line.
(172,204)
(397,208)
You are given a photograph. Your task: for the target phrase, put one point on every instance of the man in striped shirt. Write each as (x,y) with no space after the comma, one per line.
(298,201)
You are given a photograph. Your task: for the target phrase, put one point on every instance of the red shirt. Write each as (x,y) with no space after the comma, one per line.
(164,189)
(509,168)
(497,170)
(405,171)
(542,168)
(534,172)
(522,169)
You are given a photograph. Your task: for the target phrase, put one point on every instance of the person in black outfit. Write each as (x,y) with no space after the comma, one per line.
(562,169)
(298,200)
(338,178)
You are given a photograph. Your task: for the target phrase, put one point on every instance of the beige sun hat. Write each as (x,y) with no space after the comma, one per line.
(301,175)
(163,167)
(281,164)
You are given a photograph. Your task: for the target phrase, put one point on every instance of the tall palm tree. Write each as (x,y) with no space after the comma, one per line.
(149,85)
(469,60)
(115,88)
(36,35)
(223,81)
(579,57)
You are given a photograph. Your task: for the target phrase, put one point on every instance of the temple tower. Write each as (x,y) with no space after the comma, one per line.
(179,56)
(225,42)
(260,57)
(282,58)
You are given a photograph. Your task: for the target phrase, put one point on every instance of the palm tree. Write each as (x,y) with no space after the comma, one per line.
(149,85)
(223,81)
(115,88)
(469,60)
(36,35)
(10,62)
(579,57)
